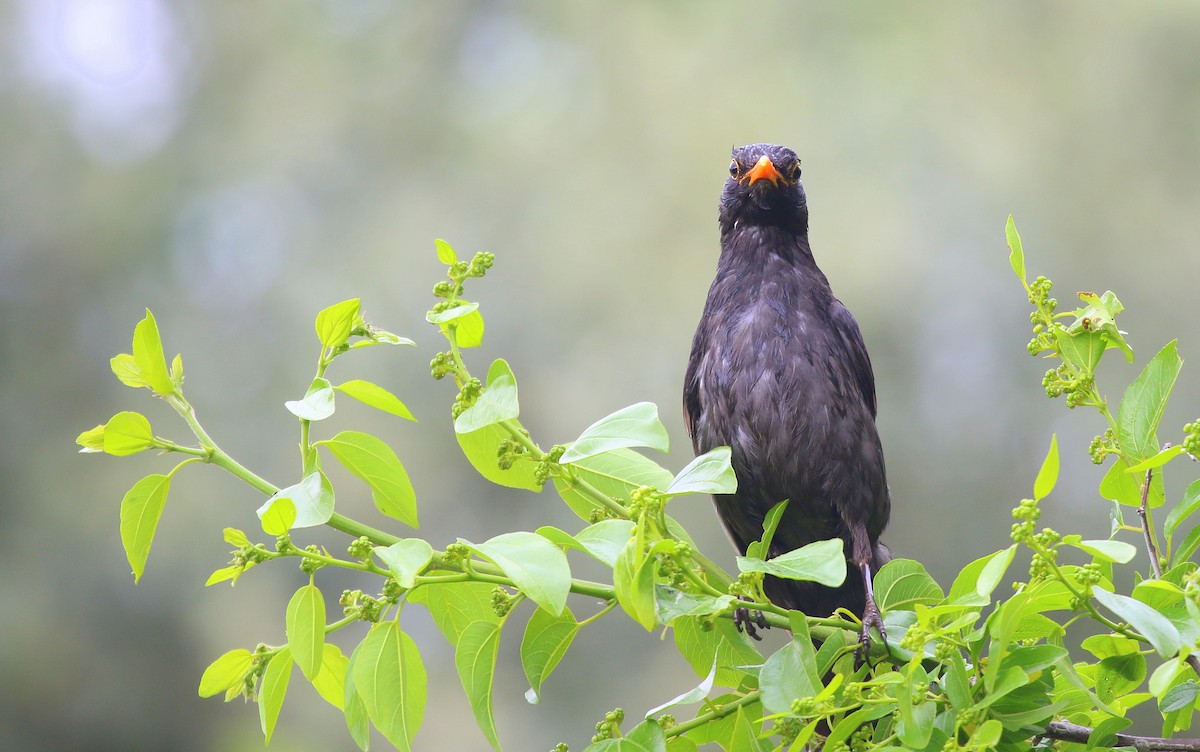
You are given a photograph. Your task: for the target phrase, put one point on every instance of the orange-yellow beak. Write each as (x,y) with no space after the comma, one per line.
(764,170)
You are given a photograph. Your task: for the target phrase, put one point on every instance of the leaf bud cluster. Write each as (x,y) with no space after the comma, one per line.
(467,396)
(1191,441)
(502,601)
(610,727)
(361,548)
(310,566)
(441,366)
(1102,446)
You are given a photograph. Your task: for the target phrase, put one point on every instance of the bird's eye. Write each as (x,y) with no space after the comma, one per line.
(794,171)
(733,167)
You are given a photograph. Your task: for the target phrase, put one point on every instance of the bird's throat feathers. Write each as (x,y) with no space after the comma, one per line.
(757,244)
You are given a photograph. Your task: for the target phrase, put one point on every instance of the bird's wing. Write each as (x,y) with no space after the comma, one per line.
(859,362)
(691,391)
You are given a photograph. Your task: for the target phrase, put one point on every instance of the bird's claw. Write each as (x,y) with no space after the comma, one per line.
(750,622)
(871,618)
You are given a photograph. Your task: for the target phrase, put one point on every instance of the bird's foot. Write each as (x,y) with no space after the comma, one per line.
(750,622)
(871,618)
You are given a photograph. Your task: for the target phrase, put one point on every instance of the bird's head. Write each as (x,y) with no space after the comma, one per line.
(764,189)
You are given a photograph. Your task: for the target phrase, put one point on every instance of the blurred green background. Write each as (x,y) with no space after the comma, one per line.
(237,166)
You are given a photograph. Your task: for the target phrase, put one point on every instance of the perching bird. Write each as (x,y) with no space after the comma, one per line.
(780,374)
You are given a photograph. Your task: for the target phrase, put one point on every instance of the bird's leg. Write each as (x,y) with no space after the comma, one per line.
(871,617)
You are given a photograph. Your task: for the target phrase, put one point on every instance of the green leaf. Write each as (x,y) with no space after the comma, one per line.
(820,562)
(406,558)
(452,313)
(789,674)
(357,721)
(1186,507)
(454,605)
(1098,318)
(1124,488)
(1158,460)
(1143,404)
(278,517)
(1118,675)
(305,625)
(148,355)
(177,371)
(536,566)
(317,403)
(272,691)
(390,678)
(497,404)
(545,642)
(1103,550)
(647,736)
(330,681)
(445,253)
(1016,256)
(91,440)
(372,460)
(376,396)
(1048,475)
(744,738)
(1104,734)
(125,368)
(976,582)
(615,474)
(127,433)
(901,584)
(690,697)
(475,658)
(606,539)
(699,640)
(226,672)
(312,501)
(710,473)
(633,581)
(1155,627)
(141,510)
(670,603)
(1081,348)
(761,548)
(1187,547)
(468,330)
(334,323)
(1179,696)
(634,426)
(481,446)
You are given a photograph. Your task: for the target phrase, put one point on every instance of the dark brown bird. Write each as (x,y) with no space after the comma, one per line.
(780,374)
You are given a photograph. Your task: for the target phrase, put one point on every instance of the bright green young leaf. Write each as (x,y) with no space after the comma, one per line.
(141,510)
(790,673)
(376,396)
(406,558)
(177,371)
(1106,645)
(1098,318)
(1016,256)
(330,681)
(481,445)
(125,368)
(1158,460)
(698,644)
(671,603)
(278,517)
(710,473)
(334,323)
(468,330)
(1143,404)
(1048,475)
(536,566)
(605,539)
(305,625)
(148,355)
(226,672)
(1118,675)
(235,537)
(390,678)
(1125,488)
(1104,550)
(691,697)
(225,574)
(821,562)
(127,433)
(761,548)
(1081,348)
(357,721)
(445,253)
(634,426)
(976,582)
(901,584)
(475,659)
(91,440)
(745,737)
(545,642)
(374,461)
(633,581)
(498,403)
(317,403)
(1189,545)
(312,499)
(453,313)
(615,474)
(1155,627)
(272,690)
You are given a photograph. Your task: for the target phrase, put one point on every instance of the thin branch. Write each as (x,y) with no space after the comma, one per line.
(1151,549)
(1071,732)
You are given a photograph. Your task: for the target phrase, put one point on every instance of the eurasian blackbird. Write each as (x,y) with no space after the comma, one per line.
(780,374)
